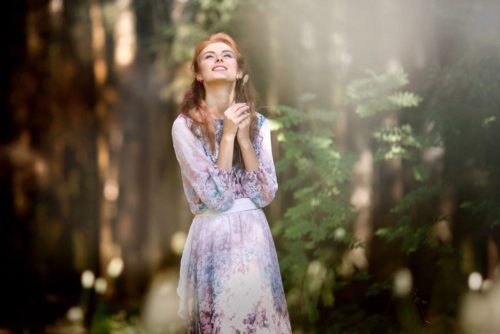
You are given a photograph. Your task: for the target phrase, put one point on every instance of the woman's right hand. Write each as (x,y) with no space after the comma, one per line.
(233,116)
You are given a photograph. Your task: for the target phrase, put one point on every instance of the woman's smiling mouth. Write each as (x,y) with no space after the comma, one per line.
(219,68)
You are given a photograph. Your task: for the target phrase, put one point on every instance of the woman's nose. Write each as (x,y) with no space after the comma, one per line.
(219,59)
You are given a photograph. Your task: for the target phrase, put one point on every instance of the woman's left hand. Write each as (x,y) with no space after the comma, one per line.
(243,134)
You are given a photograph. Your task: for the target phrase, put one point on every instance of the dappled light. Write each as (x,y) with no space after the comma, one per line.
(111,190)
(125,48)
(56,6)
(178,241)
(88,279)
(475,281)
(115,267)
(479,311)
(403,282)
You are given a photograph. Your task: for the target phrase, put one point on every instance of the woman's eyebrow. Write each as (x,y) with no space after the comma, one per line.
(213,52)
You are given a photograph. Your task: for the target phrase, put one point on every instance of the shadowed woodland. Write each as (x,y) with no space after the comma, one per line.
(385,119)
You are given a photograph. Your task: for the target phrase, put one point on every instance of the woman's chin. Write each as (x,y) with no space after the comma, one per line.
(219,80)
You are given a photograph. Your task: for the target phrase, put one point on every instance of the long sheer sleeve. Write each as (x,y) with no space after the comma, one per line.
(205,184)
(261,185)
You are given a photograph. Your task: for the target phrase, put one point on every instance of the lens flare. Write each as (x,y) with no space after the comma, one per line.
(87,279)
(475,281)
(101,285)
(111,190)
(115,267)
(177,242)
(74,314)
(403,282)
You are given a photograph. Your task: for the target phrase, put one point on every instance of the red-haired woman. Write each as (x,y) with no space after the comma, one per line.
(229,278)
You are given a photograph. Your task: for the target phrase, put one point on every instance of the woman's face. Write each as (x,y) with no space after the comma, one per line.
(217,62)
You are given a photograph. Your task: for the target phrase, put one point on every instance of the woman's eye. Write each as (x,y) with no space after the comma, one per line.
(208,57)
(228,55)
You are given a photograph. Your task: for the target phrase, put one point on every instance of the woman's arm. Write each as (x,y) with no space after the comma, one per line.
(259,181)
(249,157)
(203,180)
(247,151)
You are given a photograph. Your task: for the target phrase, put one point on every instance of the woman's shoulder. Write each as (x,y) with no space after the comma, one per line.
(182,121)
(181,124)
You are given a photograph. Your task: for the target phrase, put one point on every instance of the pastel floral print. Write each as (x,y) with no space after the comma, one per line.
(229,279)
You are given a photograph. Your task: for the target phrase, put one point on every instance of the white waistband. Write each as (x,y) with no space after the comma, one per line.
(240,204)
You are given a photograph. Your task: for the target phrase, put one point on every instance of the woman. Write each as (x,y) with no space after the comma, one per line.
(229,279)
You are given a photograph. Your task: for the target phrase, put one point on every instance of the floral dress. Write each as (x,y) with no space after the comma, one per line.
(230,280)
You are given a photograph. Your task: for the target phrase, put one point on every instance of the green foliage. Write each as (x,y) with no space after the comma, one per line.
(485,210)
(103,323)
(401,142)
(315,227)
(411,230)
(416,197)
(380,93)
(410,235)
(396,142)
(318,178)
(378,288)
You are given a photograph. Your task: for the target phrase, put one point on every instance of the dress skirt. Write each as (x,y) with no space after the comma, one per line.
(230,280)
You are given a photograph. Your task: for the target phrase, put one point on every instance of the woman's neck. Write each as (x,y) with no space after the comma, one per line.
(218,97)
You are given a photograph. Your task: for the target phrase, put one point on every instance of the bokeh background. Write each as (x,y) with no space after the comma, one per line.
(386,133)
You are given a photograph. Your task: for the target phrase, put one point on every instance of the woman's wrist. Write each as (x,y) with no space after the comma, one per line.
(245,143)
(243,138)
(229,137)
(225,158)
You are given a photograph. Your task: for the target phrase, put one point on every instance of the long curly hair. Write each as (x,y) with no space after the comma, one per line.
(193,104)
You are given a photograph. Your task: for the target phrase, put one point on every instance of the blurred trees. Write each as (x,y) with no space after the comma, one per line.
(86,137)
(377,184)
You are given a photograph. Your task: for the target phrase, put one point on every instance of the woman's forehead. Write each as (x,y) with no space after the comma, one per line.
(217,47)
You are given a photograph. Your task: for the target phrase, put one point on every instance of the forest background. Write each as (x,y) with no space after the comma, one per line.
(385,120)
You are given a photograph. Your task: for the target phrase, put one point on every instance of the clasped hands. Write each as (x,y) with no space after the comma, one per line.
(237,123)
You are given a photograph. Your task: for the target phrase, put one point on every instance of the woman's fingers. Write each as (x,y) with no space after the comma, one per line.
(237,112)
(242,117)
(233,116)
(232,108)
(244,123)
(236,108)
